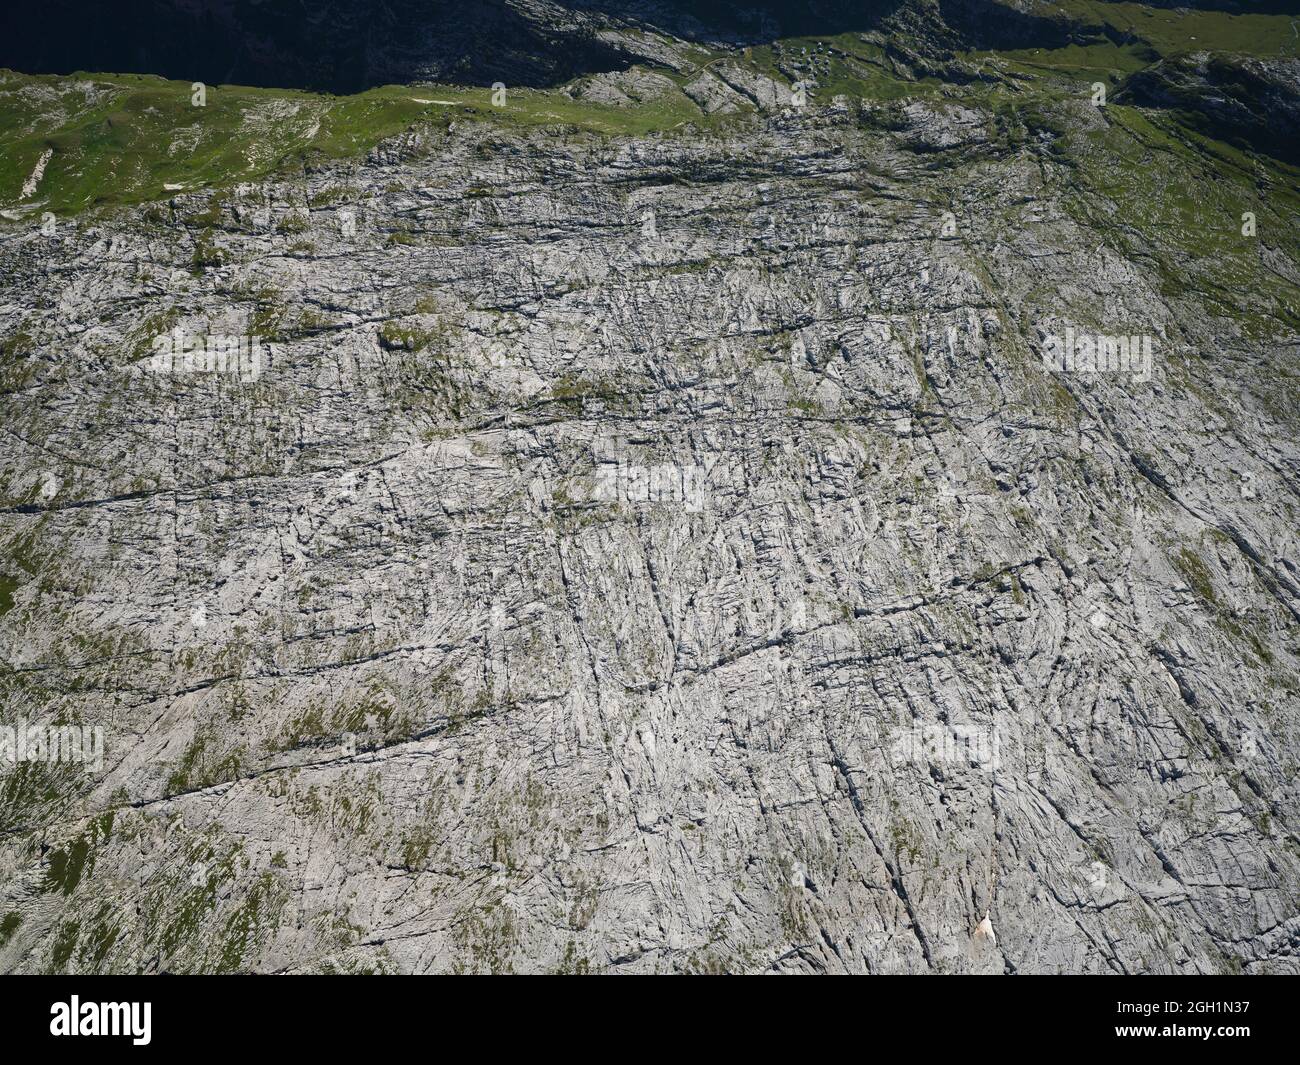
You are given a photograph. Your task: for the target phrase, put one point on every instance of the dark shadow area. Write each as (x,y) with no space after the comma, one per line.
(340,46)
(1241,101)
(345,46)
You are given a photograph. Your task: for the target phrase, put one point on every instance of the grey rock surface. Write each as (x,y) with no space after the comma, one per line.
(656,555)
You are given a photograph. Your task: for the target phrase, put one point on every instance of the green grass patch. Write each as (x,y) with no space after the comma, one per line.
(9,926)
(1174,30)
(1194,571)
(125,138)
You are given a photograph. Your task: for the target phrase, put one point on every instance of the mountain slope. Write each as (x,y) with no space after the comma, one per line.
(653,538)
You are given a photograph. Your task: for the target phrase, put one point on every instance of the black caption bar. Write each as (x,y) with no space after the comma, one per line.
(215,1015)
